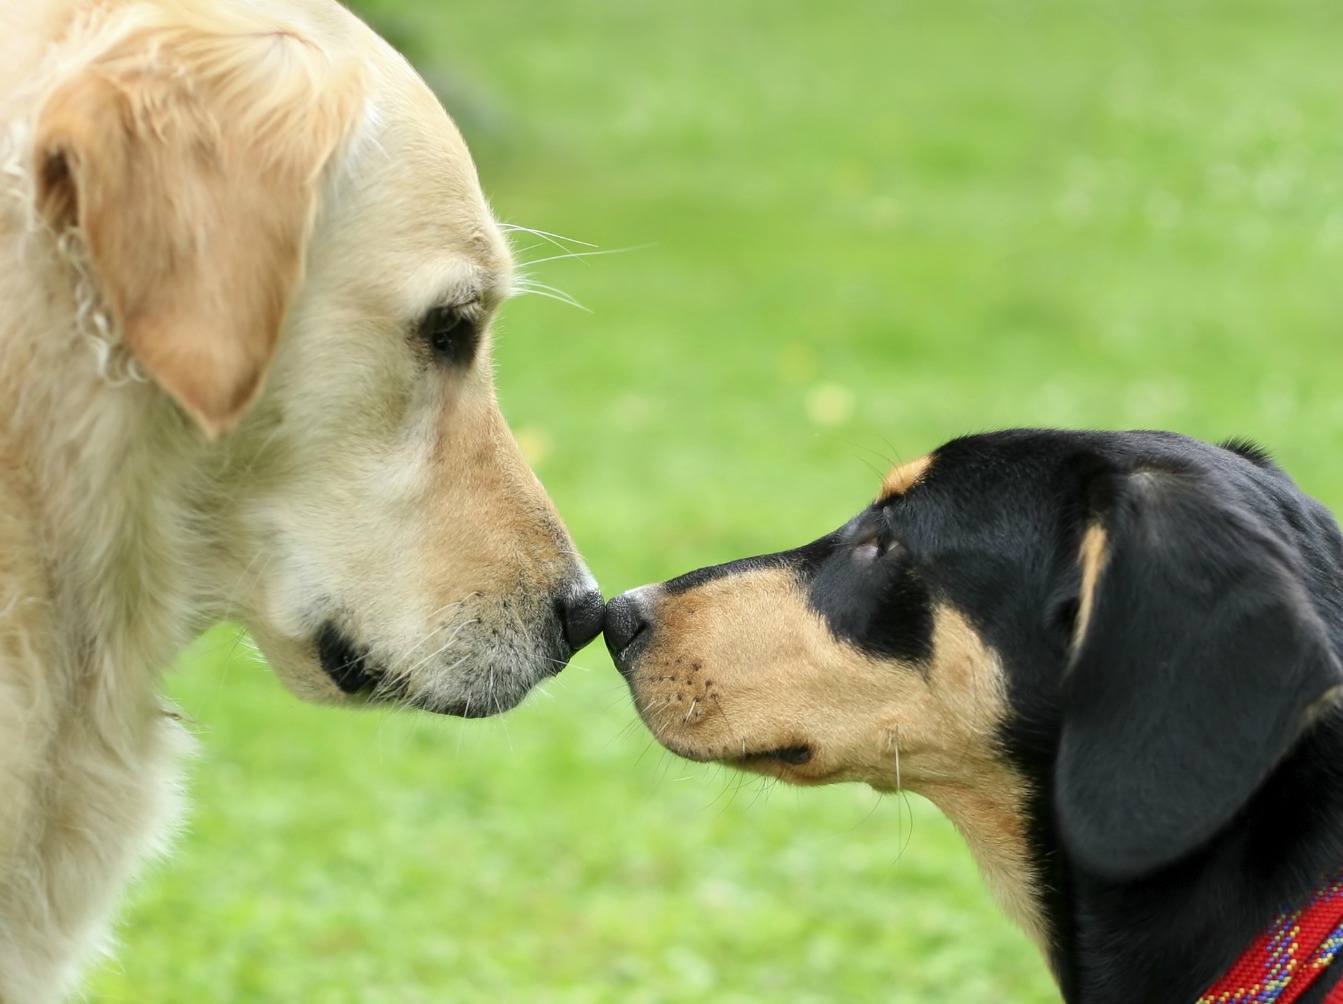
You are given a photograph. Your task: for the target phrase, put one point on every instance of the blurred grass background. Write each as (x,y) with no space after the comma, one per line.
(858,229)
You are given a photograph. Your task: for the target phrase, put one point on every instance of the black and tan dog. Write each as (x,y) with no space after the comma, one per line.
(1110,658)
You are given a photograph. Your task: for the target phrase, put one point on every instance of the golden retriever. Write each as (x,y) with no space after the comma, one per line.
(246,280)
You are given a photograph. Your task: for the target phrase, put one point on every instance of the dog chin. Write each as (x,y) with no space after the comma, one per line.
(332,668)
(489,688)
(476,680)
(488,701)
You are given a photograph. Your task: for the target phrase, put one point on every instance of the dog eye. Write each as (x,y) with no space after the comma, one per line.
(872,547)
(450,335)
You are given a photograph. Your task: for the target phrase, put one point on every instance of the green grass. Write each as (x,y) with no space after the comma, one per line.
(860,228)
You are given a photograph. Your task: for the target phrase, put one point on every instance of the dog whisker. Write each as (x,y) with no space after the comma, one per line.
(547,292)
(557,240)
(585,254)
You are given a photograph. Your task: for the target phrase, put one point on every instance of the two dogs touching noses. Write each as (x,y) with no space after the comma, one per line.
(247,277)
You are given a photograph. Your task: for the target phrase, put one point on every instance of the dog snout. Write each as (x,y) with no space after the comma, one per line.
(626,627)
(580,611)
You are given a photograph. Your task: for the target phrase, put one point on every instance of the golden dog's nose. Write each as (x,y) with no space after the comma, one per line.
(580,612)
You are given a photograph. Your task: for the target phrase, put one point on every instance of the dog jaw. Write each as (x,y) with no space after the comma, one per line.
(741,669)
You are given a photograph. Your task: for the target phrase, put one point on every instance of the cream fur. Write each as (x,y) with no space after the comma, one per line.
(219,221)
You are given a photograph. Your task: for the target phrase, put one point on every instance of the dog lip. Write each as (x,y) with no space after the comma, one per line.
(795,755)
(342,661)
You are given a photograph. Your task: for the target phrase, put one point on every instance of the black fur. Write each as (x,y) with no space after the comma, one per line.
(1184,796)
(1187,758)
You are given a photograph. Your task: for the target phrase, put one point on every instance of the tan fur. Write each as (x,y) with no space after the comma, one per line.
(219,221)
(901,479)
(740,666)
(1091,559)
(195,198)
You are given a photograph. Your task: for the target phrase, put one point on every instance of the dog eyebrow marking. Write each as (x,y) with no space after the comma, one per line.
(463,282)
(1091,557)
(903,478)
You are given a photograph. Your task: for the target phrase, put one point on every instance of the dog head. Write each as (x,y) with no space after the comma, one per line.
(1085,647)
(275,225)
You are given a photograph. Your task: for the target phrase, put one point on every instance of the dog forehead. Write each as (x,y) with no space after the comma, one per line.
(979,468)
(404,203)
(988,482)
(951,497)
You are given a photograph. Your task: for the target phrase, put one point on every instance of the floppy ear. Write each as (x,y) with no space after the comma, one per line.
(1198,660)
(188,158)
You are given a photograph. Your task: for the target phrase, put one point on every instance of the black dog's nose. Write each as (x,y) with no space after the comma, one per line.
(626,623)
(580,614)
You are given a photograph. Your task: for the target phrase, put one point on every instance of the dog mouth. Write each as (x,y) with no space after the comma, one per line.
(788,752)
(797,755)
(771,758)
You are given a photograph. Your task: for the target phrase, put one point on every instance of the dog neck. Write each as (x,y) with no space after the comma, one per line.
(1166,938)
(989,817)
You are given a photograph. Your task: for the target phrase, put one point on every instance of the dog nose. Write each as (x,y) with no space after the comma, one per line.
(580,612)
(626,623)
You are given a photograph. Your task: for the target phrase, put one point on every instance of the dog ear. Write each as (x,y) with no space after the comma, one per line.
(1197,662)
(188,157)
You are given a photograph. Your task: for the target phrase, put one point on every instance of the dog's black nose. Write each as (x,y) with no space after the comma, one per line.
(580,614)
(626,625)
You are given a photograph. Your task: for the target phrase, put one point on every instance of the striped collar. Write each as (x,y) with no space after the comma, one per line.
(1282,962)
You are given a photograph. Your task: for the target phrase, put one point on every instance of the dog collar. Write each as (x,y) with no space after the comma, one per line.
(1283,961)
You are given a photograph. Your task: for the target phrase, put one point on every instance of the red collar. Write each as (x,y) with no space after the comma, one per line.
(1283,961)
